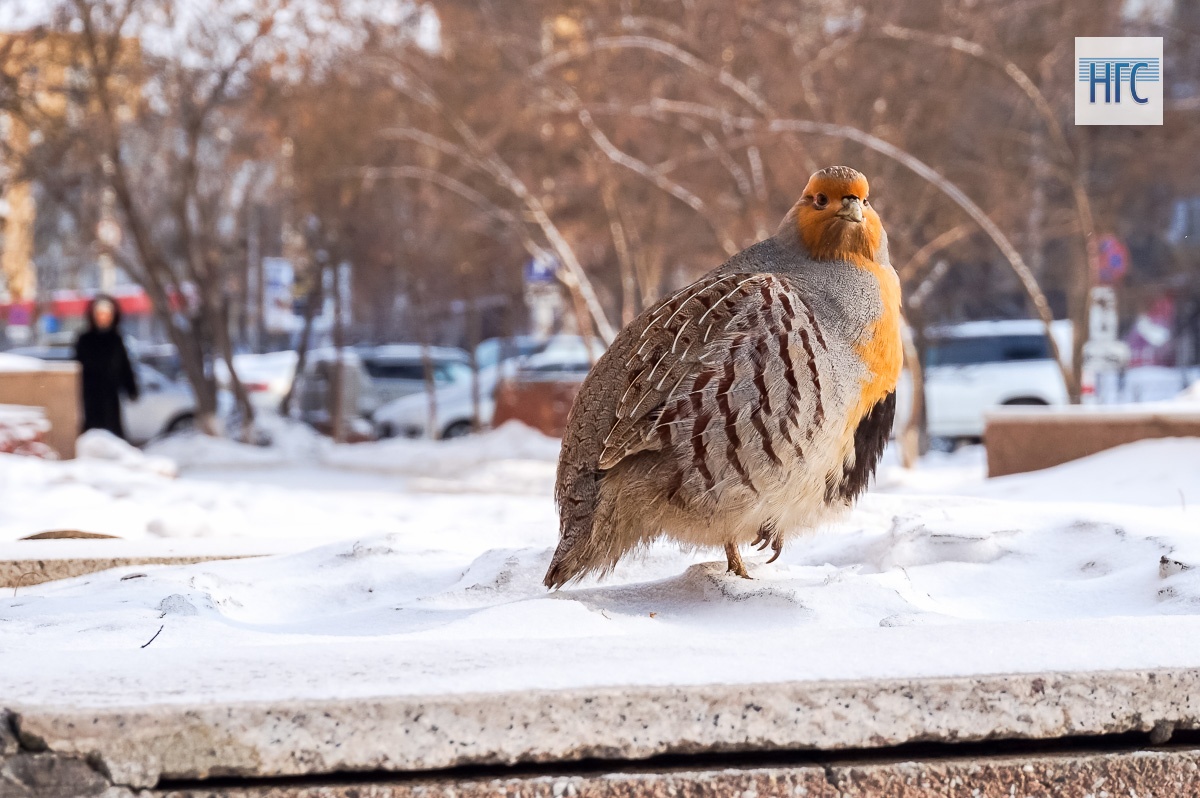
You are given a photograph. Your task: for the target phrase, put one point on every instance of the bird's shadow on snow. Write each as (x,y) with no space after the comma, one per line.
(702,593)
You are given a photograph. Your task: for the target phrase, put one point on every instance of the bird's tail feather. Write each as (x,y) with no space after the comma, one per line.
(578,496)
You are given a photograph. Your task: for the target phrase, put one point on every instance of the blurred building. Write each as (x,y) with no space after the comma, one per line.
(49,267)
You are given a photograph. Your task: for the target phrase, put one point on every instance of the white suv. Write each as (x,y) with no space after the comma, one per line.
(558,357)
(973,367)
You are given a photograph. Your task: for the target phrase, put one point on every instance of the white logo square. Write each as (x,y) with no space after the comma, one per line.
(1118,80)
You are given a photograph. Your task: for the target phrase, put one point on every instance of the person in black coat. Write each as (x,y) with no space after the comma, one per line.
(106,369)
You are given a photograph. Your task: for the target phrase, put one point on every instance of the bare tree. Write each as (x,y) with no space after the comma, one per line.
(639,145)
(176,139)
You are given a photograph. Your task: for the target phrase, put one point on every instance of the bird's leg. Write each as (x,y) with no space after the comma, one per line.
(736,566)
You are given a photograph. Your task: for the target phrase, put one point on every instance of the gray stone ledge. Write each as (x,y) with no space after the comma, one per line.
(1109,774)
(1161,774)
(27,573)
(139,746)
(24,563)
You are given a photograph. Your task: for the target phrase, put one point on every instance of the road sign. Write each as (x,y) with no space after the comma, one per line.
(1113,260)
(541,269)
(279,278)
(1102,318)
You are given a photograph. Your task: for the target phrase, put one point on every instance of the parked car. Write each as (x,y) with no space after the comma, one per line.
(972,367)
(495,350)
(555,365)
(164,406)
(315,391)
(163,358)
(408,416)
(565,357)
(398,370)
(556,357)
(267,377)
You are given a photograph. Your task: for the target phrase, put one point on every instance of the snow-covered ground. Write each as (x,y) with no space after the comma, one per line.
(415,567)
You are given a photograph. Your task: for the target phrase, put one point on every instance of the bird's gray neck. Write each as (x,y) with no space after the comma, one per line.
(841,294)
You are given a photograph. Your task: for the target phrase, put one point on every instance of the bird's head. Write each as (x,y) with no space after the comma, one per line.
(835,218)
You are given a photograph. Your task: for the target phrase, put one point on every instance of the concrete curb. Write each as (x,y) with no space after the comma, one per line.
(25,573)
(1098,775)
(138,747)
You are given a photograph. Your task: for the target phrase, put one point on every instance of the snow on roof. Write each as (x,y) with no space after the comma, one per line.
(325,354)
(22,414)
(20,363)
(976,329)
(415,352)
(1178,408)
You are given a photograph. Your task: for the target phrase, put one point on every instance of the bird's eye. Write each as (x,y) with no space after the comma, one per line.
(866,204)
(820,201)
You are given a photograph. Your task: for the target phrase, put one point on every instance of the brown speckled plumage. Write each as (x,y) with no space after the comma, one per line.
(745,408)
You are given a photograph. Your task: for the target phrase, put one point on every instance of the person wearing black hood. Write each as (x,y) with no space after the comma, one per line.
(106,368)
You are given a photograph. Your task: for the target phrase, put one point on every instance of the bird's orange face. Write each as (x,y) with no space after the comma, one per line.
(836,219)
(836,222)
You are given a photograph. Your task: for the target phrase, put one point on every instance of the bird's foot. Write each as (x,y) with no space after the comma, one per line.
(736,566)
(769,536)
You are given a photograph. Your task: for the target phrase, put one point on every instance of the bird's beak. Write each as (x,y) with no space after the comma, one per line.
(851,209)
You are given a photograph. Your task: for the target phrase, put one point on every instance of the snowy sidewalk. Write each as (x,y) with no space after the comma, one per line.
(418,634)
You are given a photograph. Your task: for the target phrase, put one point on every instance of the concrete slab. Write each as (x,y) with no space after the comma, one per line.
(54,387)
(1100,775)
(1161,773)
(1024,438)
(31,562)
(24,573)
(141,746)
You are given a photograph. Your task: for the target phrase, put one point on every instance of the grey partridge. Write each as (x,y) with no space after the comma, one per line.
(751,406)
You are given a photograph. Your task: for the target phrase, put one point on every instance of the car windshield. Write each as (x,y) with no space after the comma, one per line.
(494,350)
(444,372)
(987,349)
(150,378)
(383,369)
(452,372)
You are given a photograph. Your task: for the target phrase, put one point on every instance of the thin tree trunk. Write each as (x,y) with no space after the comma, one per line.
(431,422)
(1080,299)
(338,421)
(191,360)
(235,383)
(314,299)
(583,321)
(616,229)
(912,436)
(474,334)
(431,425)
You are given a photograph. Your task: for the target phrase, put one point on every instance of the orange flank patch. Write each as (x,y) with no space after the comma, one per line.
(827,235)
(881,347)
